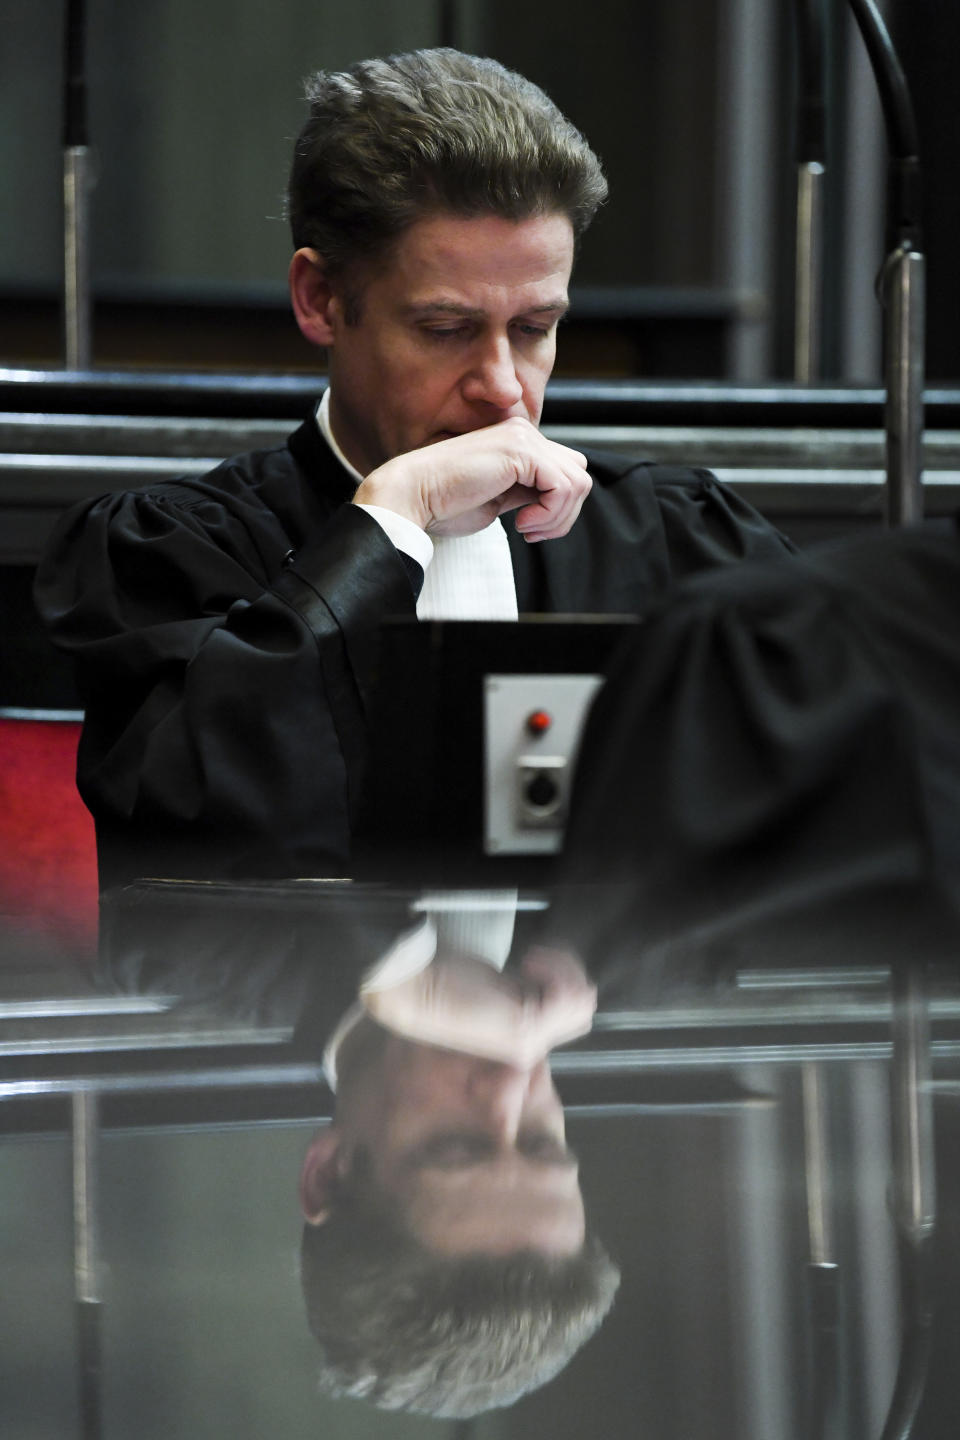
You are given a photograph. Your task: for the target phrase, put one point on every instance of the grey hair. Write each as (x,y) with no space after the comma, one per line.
(391,140)
(405,1329)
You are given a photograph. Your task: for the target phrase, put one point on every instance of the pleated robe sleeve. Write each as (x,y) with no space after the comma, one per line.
(224,652)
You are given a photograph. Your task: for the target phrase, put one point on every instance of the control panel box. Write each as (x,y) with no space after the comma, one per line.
(532,729)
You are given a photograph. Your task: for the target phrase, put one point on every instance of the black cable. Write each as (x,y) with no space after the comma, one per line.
(903,193)
(91,1369)
(74,76)
(823,1418)
(916,1257)
(811,143)
(891,81)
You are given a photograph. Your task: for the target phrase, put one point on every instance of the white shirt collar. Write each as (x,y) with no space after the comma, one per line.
(480,923)
(323,420)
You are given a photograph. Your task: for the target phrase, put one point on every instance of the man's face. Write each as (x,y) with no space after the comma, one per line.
(473,1151)
(457,331)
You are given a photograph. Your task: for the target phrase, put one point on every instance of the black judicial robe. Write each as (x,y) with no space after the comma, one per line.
(771,775)
(271,955)
(225,632)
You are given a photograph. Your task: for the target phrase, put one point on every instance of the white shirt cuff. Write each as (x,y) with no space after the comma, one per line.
(405,535)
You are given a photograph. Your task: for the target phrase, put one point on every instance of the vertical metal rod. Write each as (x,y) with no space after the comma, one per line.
(914,1180)
(747,30)
(85,1175)
(823,1392)
(819,1215)
(76,257)
(86,1263)
(448,23)
(904,296)
(914,1194)
(76,191)
(808,289)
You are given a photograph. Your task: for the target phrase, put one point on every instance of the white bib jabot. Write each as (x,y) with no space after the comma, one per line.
(466,577)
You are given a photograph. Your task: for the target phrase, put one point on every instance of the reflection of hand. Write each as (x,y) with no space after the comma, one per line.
(462,1003)
(460,485)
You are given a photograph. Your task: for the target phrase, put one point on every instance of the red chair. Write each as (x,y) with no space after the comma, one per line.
(48,858)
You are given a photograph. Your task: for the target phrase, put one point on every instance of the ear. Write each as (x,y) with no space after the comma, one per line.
(315,306)
(321,1167)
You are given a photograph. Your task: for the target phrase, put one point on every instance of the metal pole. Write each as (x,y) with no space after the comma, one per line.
(914,1194)
(76,196)
(76,258)
(823,1390)
(904,296)
(808,289)
(811,156)
(914,1181)
(86,1261)
(902,281)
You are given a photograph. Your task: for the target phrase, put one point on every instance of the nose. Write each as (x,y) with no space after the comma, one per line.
(499,1094)
(492,378)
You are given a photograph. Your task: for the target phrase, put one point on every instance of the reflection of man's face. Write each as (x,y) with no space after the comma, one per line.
(473,1150)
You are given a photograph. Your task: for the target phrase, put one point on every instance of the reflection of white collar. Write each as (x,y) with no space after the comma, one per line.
(478,922)
(323,420)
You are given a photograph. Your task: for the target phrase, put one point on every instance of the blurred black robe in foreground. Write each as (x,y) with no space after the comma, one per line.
(771,775)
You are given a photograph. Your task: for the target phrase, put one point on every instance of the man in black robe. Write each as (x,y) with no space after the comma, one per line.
(225,629)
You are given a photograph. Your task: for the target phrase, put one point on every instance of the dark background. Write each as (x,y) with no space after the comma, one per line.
(687,272)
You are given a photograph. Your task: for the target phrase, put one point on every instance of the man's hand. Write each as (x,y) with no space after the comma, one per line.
(461,485)
(461,1003)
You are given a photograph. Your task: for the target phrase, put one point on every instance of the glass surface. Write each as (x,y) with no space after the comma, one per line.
(769,1157)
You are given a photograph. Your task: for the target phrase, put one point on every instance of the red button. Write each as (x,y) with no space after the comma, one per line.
(539,722)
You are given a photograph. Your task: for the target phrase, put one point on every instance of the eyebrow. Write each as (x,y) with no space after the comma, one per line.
(557,307)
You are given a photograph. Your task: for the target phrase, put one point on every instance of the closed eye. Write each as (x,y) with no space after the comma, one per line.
(447,332)
(453,1151)
(548,1149)
(459,1150)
